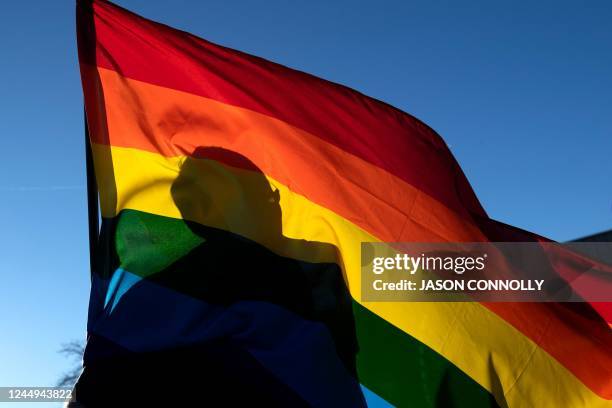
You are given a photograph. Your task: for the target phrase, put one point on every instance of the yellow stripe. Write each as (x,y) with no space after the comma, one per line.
(488,349)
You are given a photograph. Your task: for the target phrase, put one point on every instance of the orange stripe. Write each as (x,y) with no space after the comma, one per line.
(173,123)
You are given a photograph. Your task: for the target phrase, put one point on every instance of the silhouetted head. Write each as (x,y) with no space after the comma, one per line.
(224,189)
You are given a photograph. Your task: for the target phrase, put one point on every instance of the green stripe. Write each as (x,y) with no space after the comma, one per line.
(406,372)
(391,363)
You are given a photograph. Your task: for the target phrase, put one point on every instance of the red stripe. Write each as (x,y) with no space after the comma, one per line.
(499,232)
(372,130)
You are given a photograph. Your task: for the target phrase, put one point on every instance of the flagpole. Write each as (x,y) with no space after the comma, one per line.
(92,199)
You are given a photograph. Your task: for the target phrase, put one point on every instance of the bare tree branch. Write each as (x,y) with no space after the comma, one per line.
(74,350)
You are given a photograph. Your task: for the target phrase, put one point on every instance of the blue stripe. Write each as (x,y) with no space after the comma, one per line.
(141,316)
(119,284)
(374,400)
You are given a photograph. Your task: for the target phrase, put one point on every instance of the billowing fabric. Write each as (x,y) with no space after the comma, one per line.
(235,193)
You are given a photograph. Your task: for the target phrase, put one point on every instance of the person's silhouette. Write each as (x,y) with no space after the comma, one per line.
(237,268)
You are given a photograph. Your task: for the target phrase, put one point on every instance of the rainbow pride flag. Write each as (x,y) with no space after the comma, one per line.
(235,193)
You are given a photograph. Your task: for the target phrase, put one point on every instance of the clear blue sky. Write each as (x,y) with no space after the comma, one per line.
(521,92)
